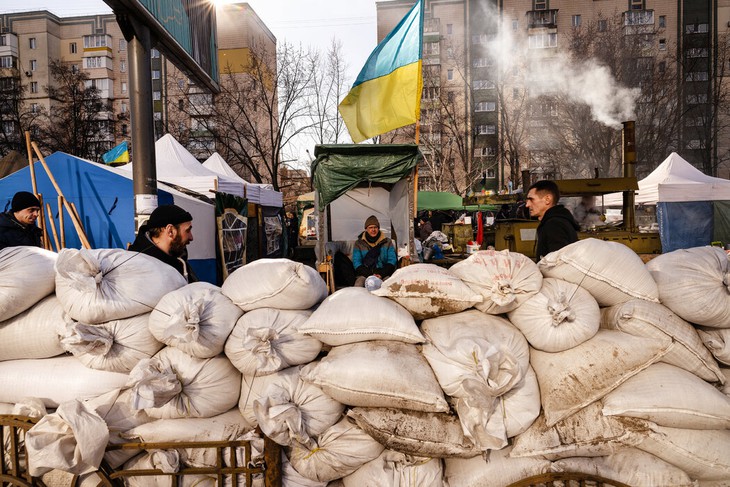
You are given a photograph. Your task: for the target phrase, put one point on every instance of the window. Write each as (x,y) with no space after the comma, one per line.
(697,76)
(72,48)
(662,44)
(602,25)
(123,66)
(482,62)
(697,99)
(479,39)
(697,52)
(155,74)
(515,93)
(636,4)
(575,21)
(6,62)
(124,129)
(430,92)
(34,108)
(695,144)
(450,96)
(662,21)
(486,129)
(74,68)
(122,45)
(662,67)
(154,53)
(3,40)
(156,95)
(31,43)
(484,151)
(181,104)
(158,115)
(8,127)
(124,86)
(430,48)
(515,24)
(539,4)
(33,64)
(543,41)
(483,84)
(449,74)
(99,40)
(123,107)
(449,29)
(94,62)
(34,87)
(490,173)
(702,28)
(485,106)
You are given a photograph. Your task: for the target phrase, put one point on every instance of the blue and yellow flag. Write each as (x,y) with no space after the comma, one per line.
(119,154)
(387,92)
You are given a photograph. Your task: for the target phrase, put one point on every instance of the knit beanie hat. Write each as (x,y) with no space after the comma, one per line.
(23,200)
(372,220)
(168,215)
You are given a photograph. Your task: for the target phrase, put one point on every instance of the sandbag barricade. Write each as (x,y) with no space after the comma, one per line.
(27,275)
(32,333)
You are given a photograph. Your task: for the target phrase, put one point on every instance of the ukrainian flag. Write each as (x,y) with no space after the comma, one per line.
(119,154)
(387,92)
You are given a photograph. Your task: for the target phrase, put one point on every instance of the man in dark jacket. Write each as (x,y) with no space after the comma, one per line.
(557,226)
(165,236)
(374,253)
(17,226)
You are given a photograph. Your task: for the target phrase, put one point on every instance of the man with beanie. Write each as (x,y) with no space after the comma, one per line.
(557,226)
(373,254)
(165,236)
(17,226)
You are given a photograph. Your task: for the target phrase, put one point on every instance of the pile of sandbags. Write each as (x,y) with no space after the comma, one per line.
(499,369)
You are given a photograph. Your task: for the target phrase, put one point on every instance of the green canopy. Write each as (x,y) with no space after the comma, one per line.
(439,200)
(337,169)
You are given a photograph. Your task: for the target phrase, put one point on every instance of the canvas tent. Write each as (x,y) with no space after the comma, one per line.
(439,200)
(175,165)
(104,198)
(693,209)
(354,181)
(260,194)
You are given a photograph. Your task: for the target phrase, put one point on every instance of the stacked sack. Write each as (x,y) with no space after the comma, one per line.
(481,375)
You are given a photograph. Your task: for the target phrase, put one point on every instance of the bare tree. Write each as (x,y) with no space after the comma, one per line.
(79,121)
(16,115)
(329,86)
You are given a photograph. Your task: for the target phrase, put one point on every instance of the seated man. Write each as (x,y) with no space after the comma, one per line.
(17,226)
(374,253)
(165,236)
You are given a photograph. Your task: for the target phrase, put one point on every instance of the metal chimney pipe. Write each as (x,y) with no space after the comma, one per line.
(628,138)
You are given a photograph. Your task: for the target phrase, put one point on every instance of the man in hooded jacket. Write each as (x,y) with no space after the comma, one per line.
(374,253)
(557,226)
(165,236)
(17,226)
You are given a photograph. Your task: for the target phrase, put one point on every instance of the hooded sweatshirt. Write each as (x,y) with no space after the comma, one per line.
(557,229)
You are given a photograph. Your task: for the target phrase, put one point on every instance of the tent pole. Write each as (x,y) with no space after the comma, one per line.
(53,226)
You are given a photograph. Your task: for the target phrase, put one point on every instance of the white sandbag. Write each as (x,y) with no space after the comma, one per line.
(228,426)
(504,279)
(29,406)
(101,285)
(477,358)
(717,341)
(520,406)
(702,454)
(266,340)
(288,406)
(285,410)
(726,387)
(499,470)
(72,439)
(172,384)
(574,378)
(610,271)
(166,461)
(670,396)
(694,284)
(378,374)
(27,275)
(275,283)
(630,467)
(32,333)
(586,433)
(355,315)
(196,319)
(340,450)
(291,478)
(561,316)
(54,380)
(397,470)
(642,318)
(427,291)
(434,435)
(115,346)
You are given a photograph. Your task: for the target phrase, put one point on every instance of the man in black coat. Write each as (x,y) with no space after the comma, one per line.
(17,226)
(557,226)
(165,236)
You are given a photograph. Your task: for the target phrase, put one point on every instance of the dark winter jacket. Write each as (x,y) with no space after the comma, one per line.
(14,234)
(374,258)
(144,245)
(557,229)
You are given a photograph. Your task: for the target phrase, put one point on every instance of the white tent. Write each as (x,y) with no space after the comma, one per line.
(261,194)
(676,180)
(177,166)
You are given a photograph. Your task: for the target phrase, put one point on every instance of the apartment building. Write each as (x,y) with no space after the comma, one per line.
(95,45)
(482,53)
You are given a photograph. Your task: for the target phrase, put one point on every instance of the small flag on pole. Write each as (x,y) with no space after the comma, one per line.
(118,155)
(387,92)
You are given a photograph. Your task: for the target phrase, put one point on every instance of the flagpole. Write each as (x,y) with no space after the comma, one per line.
(415,175)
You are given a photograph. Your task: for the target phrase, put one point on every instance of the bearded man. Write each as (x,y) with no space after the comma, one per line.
(165,236)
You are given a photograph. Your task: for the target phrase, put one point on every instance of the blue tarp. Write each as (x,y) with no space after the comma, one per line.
(103,199)
(683,225)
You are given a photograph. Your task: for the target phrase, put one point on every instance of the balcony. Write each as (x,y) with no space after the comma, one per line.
(638,21)
(542,18)
(431,30)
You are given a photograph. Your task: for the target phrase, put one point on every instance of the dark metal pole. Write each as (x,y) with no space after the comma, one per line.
(140,100)
(629,171)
